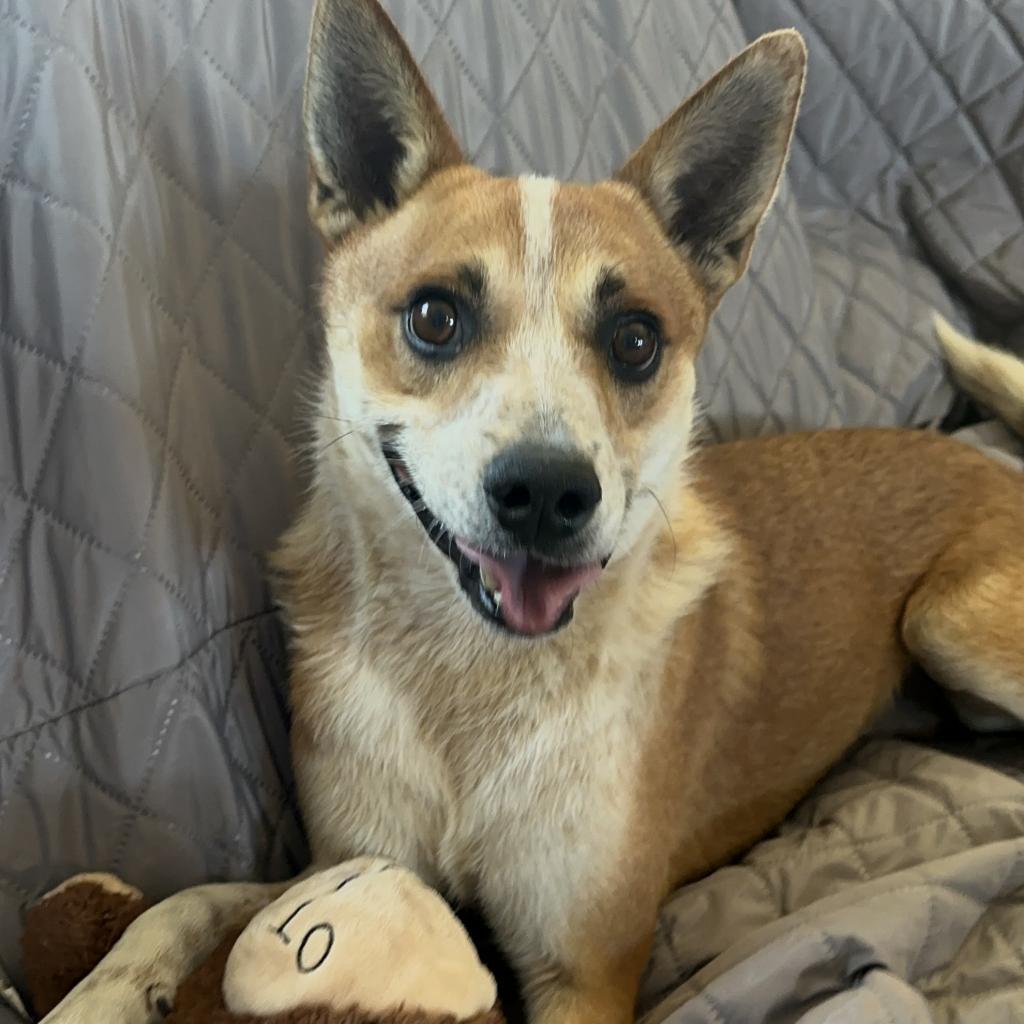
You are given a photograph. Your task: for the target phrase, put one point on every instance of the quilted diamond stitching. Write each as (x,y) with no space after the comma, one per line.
(965,108)
(150,425)
(753,288)
(54,44)
(441,24)
(995,159)
(499,116)
(59,45)
(32,95)
(912,334)
(541,37)
(105,633)
(21,646)
(151,292)
(154,678)
(587,19)
(18,776)
(824,183)
(125,802)
(107,628)
(881,386)
(76,358)
(136,809)
(250,444)
(85,538)
(215,65)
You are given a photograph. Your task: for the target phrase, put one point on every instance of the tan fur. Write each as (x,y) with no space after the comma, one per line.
(762,602)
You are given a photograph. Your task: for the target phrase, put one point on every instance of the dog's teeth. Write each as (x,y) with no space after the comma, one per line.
(488,580)
(492,602)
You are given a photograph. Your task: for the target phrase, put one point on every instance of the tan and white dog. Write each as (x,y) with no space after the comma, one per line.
(545,653)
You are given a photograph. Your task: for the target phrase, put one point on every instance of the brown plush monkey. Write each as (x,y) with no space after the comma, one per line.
(363,943)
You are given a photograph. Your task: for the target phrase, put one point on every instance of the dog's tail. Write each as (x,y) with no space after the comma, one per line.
(995,379)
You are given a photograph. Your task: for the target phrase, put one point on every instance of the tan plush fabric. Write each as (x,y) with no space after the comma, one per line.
(365,933)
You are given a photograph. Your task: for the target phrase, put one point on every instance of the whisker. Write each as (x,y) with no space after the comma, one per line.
(424,544)
(668,523)
(429,538)
(398,521)
(331,444)
(332,419)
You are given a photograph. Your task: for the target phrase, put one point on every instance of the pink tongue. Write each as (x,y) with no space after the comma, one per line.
(534,595)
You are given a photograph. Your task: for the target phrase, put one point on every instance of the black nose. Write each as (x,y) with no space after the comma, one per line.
(542,494)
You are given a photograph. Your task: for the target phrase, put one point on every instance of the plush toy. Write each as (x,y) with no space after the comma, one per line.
(362,943)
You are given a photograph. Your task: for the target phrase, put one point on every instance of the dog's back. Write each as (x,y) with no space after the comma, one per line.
(856,551)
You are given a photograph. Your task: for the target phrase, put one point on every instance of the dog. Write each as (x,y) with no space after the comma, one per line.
(547,652)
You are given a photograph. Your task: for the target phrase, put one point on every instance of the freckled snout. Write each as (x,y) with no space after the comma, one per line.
(540,494)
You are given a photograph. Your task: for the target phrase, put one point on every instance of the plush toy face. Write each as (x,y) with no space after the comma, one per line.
(366,933)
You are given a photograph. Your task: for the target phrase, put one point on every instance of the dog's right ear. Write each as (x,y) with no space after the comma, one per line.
(373,129)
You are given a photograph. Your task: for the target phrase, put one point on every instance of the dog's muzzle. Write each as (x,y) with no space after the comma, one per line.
(541,499)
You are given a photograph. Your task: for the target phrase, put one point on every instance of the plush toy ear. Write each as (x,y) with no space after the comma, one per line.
(70,930)
(373,129)
(712,169)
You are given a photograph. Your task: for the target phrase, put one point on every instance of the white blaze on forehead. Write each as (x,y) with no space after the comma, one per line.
(549,384)
(537,196)
(539,339)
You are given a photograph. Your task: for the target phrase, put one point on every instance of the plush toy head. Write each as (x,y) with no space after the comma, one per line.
(366,933)
(364,943)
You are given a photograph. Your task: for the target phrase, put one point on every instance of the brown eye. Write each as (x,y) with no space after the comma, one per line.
(634,349)
(433,321)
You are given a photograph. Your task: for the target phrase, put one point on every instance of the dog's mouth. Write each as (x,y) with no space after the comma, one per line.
(517,592)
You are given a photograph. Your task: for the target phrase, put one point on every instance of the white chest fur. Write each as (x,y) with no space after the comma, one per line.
(512,788)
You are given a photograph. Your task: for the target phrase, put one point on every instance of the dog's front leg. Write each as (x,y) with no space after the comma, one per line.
(578,941)
(602,991)
(136,982)
(595,984)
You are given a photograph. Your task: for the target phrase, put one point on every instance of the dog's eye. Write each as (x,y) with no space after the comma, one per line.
(633,349)
(432,324)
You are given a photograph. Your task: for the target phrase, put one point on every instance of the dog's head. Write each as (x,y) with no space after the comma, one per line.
(514,358)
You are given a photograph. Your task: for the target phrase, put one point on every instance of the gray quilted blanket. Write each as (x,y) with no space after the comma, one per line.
(157,321)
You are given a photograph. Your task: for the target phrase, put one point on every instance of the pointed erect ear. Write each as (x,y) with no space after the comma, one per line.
(712,169)
(373,129)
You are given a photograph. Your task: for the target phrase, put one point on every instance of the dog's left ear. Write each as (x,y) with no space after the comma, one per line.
(374,131)
(711,170)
